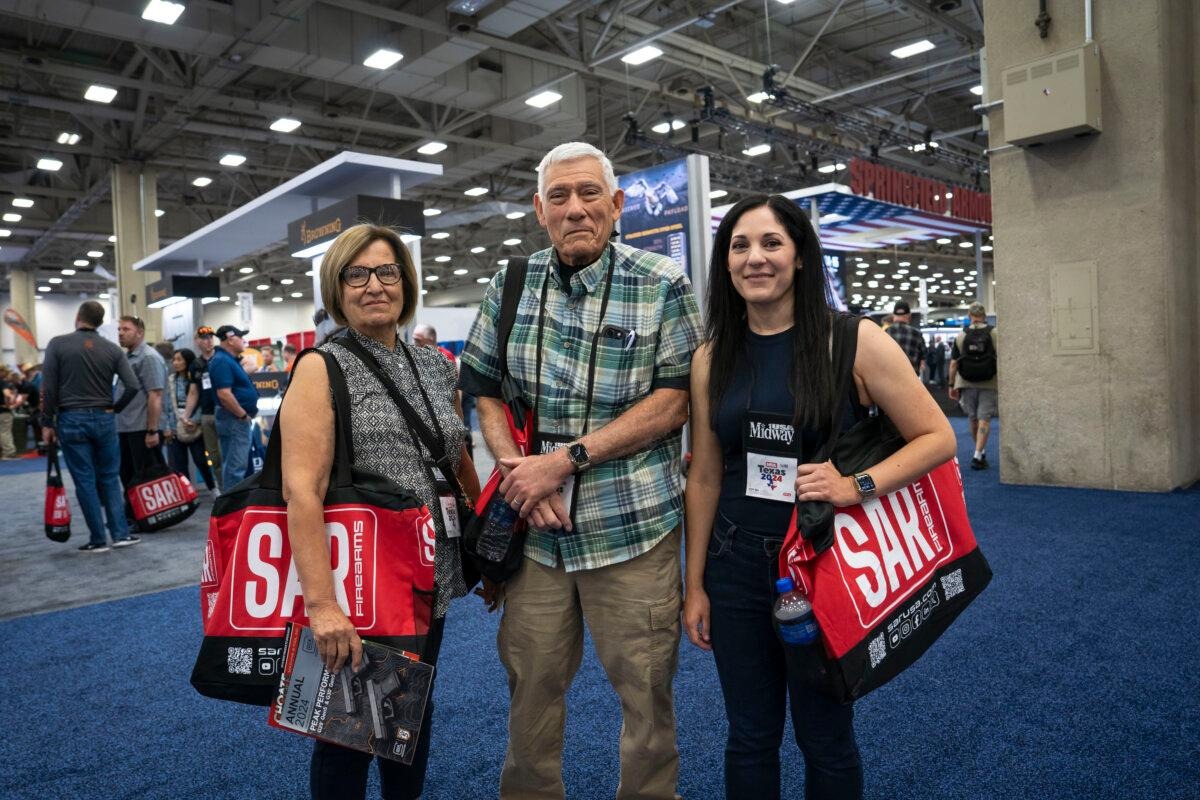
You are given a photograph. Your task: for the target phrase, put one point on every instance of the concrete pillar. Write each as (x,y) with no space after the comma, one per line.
(1110,222)
(22,290)
(134,198)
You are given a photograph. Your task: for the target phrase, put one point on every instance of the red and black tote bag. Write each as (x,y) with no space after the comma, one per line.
(887,576)
(58,508)
(381,549)
(160,498)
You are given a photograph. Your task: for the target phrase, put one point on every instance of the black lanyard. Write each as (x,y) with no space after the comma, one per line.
(412,365)
(587,416)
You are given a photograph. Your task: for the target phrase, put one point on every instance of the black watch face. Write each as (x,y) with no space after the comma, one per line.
(866,483)
(578,453)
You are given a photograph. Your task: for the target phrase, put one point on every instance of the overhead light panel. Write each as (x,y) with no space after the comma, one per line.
(757,150)
(68,138)
(543,99)
(246,270)
(100,94)
(966,244)
(276,299)
(514,215)
(11,217)
(717,194)
(511,242)
(461,271)
(431,212)
(158,212)
(162,11)
(287,281)
(977,91)
(383,59)
(22,202)
(232,160)
(297,294)
(943,240)
(923,46)
(68,272)
(95,253)
(503,262)
(55,280)
(431,148)
(987,248)
(49,164)
(757,97)
(642,55)
(431,278)
(442,259)
(441,235)
(262,287)
(202,181)
(478,249)
(483,280)
(80,262)
(476,191)
(43,288)
(112,239)
(285,125)
(830,168)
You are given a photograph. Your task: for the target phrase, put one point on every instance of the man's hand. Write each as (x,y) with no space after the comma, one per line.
(954,393)
(533,478)
(551,512)
(152,439)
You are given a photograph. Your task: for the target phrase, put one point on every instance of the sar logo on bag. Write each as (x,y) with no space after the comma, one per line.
(426,538)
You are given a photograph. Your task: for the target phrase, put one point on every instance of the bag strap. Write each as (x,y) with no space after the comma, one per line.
(514,284)
(52,468)
(845,348)
(343,444)
(417,425)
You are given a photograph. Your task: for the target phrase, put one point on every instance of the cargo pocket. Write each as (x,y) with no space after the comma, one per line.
(664,639)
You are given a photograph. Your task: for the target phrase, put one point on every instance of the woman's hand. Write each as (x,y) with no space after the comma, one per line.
(696,618)
(336,637)
(824,482)
(492,594)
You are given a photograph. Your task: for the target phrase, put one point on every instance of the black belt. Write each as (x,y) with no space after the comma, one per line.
(85,408)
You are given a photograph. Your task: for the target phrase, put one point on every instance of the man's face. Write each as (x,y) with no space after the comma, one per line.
(128,334)
(206,344)
(234,343)
(423,339)
(578,212)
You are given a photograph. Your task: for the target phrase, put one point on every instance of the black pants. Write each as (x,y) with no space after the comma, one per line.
(339,773)
(135,456)
(759,676)
(179,452)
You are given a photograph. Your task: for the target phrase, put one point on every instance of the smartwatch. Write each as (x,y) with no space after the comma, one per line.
(579,456)
(151,433)
(865,485)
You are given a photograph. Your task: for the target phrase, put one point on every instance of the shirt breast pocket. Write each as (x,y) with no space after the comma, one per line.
(624,370)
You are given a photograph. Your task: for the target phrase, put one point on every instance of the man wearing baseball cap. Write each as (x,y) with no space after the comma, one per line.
(909,338)
(201,393)
(236,404)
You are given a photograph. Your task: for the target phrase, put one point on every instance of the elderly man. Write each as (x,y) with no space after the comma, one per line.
(602,349)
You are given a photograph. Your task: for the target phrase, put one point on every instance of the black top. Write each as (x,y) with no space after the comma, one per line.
(78,373)
(208,397)
(760,385)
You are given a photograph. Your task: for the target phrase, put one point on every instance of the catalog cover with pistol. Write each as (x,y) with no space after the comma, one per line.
(377,709)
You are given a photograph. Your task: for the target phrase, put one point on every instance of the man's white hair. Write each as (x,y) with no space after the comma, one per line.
(570,151)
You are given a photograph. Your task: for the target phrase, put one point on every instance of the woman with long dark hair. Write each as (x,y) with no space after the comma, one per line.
(763,402)
(184,434)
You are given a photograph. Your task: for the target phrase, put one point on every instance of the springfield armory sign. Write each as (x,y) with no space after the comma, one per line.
(905,189)
(326,224)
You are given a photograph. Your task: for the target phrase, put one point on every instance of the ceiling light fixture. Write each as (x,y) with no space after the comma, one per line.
(432,148)
(43,288)
(54,280)
(262,287)
(943,241)
(642,55)
(285,125)
(987,248)
(717,194)
(757,150)
(478,249)
(966,244)
(923,46)
(441,235)
(757,97)
(511,242)
(201,182)
(80,262)
(162,11)
(68,272)
(461,271)
(977,91)
(514,215)
(287,281)
(68,138)
(483,280)
(431,278)
(476,191)
(95,253)
(442,259)
(10,217)
(100,94)
(22,202)
(432,212)
(246,270)
(232,160)
(383,59)
(276,299)
(49,164)
(297,294)
(543,99)
(503,262)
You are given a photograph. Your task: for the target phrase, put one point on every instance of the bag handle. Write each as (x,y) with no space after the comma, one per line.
(343,444)
(514,284)
(417,425)
(845,348)
(53,470)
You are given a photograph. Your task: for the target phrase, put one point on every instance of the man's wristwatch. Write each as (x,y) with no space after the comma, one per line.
(152,433)
(865,485)
(579,456)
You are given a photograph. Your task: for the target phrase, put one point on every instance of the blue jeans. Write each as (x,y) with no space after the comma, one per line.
(234,437)
(88,438)
(759,675)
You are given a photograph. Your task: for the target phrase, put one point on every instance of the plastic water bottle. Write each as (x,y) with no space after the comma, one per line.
(793,612)
(497,530)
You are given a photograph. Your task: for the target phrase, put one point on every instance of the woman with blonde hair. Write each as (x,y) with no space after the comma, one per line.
(368,285)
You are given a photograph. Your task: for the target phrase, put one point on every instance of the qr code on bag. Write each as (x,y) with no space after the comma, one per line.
(877,649)
(953,583)
(239,660)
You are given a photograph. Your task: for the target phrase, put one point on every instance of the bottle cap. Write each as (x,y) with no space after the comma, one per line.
(784,585)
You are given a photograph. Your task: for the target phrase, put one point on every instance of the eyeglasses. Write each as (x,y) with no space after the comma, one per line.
(357,277)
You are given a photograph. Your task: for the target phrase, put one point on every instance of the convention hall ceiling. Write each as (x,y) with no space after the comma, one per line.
(215,82)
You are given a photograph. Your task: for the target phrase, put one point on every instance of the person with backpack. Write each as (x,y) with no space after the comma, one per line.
(973,379)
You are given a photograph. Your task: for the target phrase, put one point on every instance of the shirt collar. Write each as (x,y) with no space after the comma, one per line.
(590,276)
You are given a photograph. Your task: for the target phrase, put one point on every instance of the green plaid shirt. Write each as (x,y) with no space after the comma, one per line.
(627,505)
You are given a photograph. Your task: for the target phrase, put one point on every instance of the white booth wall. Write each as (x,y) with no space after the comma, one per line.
(54,314)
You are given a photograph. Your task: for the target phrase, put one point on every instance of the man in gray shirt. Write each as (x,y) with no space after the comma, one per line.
(78,411)
(137,423)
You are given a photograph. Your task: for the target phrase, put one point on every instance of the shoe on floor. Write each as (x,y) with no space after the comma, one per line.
(132,540)
(979,463)
(94,548)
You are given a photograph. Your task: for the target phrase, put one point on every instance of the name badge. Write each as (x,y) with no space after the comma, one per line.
(546,443)
(771,477)
(450,516)
(206,382)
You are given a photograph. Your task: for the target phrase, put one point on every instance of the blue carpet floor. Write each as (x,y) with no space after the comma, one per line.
(26,463)
(1073,676)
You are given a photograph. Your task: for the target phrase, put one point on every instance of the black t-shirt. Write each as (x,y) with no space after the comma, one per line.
(196,374)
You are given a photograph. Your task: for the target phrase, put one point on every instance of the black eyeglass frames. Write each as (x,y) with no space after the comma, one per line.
(356,276)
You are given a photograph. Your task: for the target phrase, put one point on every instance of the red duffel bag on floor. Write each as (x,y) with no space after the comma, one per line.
(886,576)
(381,543)
(160,498)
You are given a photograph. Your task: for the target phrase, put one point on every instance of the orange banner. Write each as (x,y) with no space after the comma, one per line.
(19,326)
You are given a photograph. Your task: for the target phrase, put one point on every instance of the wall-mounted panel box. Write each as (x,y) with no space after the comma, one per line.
(1055,97)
